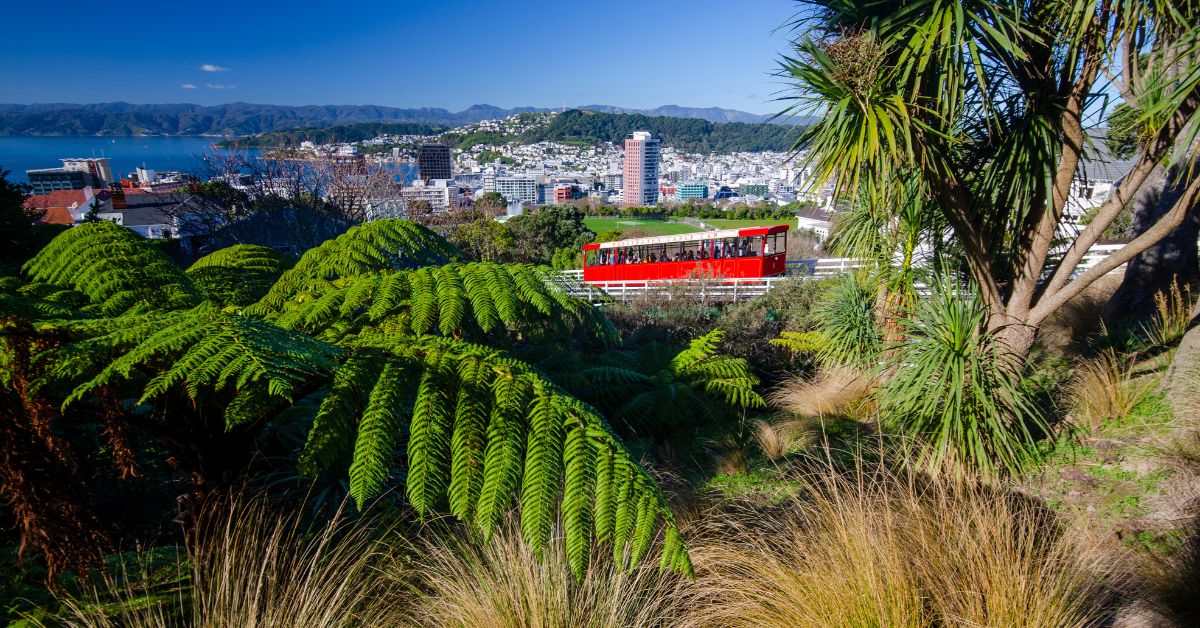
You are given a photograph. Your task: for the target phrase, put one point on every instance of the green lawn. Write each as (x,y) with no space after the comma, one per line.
(729,223)
(649,227)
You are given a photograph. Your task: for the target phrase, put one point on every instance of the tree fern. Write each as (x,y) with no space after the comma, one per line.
(465,301)
(657,387)
(117,270)
(238,275)
(361,337)
(380,245)
(538,442)
(197,351)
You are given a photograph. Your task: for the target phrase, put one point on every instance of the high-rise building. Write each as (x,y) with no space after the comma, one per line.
(434,162)
(76,173)
(47,180)
(640,172)
(612,181)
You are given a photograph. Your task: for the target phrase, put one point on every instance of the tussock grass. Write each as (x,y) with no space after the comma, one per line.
(250,566)
(774,440)
(1172,316)
(503,583)
(833,391)
(1104,389)
(889,548)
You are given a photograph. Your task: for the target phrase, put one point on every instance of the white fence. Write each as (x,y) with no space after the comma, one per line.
(725,290)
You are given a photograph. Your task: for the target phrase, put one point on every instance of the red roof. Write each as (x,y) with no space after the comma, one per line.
(58,205)
(57,198)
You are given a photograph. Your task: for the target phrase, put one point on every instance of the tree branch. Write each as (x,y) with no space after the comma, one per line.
(1120,198)
(1149,238)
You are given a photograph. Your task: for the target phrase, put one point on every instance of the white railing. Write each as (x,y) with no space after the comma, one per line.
(703,290)
(1095,254)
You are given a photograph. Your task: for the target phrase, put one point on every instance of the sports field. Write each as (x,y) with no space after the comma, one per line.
(648,227)
(728,223)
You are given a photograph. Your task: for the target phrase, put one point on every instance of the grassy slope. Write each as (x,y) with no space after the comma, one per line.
(649,227)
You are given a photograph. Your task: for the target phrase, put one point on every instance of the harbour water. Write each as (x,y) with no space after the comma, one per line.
(160,153)
(19,154)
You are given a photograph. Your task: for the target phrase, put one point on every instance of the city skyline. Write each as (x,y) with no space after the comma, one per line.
(539,54)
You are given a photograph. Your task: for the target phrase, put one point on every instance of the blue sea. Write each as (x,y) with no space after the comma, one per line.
(19,154)
(161,154)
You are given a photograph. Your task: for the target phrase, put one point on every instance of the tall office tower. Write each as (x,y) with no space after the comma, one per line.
(433,162)
(640,172)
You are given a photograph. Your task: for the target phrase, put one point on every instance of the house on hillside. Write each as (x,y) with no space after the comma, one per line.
(816,219)
(1098,175)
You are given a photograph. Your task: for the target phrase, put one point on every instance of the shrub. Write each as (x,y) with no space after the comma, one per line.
(954,386)
(845,315)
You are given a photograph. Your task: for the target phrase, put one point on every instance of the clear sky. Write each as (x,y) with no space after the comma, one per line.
(402,53)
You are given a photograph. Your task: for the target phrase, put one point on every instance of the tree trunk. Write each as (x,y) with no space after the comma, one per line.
(1172,260)
(1016,338)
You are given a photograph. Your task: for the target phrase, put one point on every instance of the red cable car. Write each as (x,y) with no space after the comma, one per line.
(728,253)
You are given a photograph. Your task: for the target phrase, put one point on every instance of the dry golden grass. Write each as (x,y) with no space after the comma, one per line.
(779,437)
(501,584)
(891,549)
(254,566)
(1172,316)
(1104,389)
(833,391)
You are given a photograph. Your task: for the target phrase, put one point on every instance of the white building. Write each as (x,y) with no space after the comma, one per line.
(516,188)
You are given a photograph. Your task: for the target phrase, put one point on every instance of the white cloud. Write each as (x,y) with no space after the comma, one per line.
(187,85)
(208,67)
(219,86)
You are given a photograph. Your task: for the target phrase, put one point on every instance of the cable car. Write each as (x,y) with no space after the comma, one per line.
(729,253)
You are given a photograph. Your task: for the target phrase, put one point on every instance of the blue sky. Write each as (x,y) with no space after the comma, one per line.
(631,53)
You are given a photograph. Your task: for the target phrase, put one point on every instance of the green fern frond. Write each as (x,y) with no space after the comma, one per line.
(329,439)
(238,275)
(579,461)
(485,428)
(206,348)
(424,300)
(379,433)
(543,468)
(451,300)
(118,270)
(429,443)
(377,246)
(801,342)
(470,436)
(505,451)
(475,278)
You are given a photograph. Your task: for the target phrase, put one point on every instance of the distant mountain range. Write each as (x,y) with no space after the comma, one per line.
(237,119)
